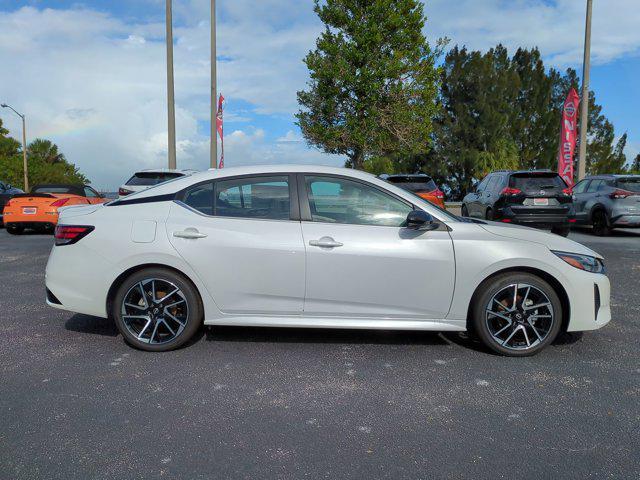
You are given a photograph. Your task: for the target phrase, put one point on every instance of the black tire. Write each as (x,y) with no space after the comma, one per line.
(600,223)
(14,229)
(562,231)
(463,211)
(547,328)
(192,315)
(488,214)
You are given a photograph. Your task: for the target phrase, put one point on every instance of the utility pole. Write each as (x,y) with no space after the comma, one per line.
(24,145)
(171,108)
(584,110)
(214,104)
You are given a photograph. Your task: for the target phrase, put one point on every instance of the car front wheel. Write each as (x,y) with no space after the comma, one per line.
(517,314)
(157,310)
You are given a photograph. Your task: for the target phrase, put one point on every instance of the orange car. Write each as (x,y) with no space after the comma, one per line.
(39,209)
(419,184)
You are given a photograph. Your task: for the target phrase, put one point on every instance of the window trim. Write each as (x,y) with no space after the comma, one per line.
(305,209)
(294,209)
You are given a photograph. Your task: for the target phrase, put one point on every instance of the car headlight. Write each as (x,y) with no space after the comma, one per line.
(583,262)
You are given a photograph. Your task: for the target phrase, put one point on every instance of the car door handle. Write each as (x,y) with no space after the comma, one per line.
(325,242)
(189,233)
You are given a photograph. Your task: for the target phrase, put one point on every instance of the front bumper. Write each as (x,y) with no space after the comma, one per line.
(590,302)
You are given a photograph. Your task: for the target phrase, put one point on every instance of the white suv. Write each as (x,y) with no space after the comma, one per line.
(148,178)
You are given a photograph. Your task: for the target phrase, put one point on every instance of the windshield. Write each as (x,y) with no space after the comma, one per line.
(631,184)
(46,189)
(147,179)
(528,182)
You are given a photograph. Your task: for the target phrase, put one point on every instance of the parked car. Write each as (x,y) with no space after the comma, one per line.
(311,246)
(148,178)
(536,198)
(39,209)
(420,184)
(607,202)
(6,192)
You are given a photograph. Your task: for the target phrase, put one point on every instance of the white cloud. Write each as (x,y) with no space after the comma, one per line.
(557,28)
(95,83)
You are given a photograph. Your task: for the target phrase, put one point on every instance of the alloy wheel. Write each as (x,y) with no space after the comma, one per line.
(519,316)
(155,311)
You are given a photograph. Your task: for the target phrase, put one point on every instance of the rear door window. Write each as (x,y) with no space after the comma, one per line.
(253,197)
(596,185)
(148,179)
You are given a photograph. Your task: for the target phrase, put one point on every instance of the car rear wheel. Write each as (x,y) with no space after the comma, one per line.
(157,310)
(489,214)
(600,224)
(517,314)
(463,211)
(14,229)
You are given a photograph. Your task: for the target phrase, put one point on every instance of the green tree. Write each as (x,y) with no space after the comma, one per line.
(45,163)
(44,150)
(373,81)
(635,165)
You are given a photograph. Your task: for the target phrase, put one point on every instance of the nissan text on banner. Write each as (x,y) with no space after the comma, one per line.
(568,136)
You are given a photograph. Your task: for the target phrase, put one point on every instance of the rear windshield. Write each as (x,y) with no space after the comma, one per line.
(146,179)
(414,184)
(632,184)
(528,182)
(46,189)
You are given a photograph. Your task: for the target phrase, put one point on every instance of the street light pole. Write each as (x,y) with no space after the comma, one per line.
(584,110)
(171,109)
(214,136)
(24,146)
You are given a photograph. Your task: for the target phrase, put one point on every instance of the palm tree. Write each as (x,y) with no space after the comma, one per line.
(44,150)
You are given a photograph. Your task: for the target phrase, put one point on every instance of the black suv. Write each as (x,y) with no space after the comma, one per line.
(537,198)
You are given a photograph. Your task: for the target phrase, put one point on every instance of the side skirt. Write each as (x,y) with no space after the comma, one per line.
(438,325)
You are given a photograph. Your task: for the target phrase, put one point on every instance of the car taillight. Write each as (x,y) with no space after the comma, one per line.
(510,191)
(618,193)
(568,191)
(60,202)
(438,193)
(68,234)
(123,191)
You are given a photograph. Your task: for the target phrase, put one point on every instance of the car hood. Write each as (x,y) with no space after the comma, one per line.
(550,240)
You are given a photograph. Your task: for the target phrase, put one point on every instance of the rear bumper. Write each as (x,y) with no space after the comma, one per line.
(626,221)
(17,217)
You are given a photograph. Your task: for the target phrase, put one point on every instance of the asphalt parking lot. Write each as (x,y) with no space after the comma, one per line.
(76,402)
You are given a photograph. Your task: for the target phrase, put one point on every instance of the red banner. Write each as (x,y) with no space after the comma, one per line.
(568,136)
(220,130)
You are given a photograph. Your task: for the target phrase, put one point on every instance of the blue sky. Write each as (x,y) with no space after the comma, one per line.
(91,75)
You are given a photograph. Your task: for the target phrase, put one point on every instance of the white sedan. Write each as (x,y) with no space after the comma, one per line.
(308,246)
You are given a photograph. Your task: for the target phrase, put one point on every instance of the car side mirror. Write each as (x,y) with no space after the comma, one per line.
(421,220)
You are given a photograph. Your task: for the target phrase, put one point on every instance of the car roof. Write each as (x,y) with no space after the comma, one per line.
(182,182)
(612,175)
(420,176)
(166,170)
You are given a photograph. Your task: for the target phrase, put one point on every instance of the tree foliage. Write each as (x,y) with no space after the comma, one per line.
(505,112)
(373,81)
(46,164)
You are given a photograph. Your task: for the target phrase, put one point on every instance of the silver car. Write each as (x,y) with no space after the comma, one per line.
(607,202)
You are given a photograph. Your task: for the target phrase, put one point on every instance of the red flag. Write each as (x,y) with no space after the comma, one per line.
(568,136)
(220,130)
